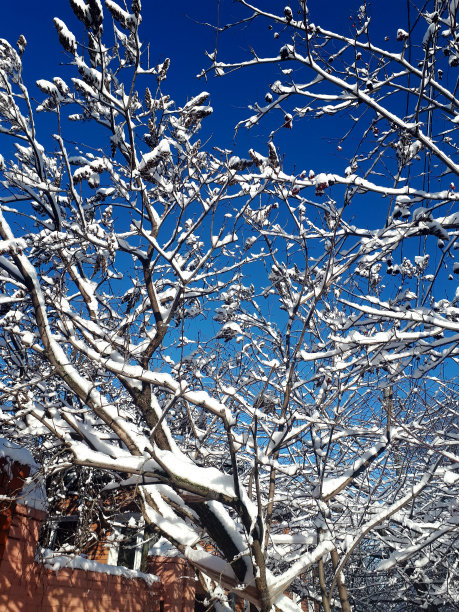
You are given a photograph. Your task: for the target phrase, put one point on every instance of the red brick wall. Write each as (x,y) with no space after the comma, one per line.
(178,580)
(12,476)
(27,586)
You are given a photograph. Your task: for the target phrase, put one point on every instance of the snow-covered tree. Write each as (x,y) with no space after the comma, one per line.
(266,366)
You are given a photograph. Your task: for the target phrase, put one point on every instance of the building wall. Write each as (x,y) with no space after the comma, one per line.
(26,585)
(12,476)
(178,580)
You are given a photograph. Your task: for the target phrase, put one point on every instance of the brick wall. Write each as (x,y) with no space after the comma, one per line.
(12,477)
(26,585)
(178,580)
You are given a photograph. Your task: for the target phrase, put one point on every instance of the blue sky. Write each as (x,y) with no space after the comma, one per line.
(173,30)
(176,30)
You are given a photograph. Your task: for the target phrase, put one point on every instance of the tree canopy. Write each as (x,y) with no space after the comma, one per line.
(263,354)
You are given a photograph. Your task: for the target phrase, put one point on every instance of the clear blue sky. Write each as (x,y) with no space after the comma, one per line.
(172,29)
(176,30)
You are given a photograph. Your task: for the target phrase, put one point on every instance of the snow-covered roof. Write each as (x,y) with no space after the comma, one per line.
(16,453)
(33,494)
(163,548)
(56,561)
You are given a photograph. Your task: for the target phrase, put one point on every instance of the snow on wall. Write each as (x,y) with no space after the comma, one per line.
(14,452)
(56,561)
(33,494)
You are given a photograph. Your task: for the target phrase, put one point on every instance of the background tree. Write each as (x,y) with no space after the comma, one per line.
(260,360)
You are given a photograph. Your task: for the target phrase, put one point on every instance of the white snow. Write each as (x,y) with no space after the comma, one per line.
(160,151)
(56,562)
(16,453)
(12,246)
(167,520)
(163,548)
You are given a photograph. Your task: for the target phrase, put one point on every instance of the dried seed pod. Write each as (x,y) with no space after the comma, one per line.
(136,7)
(162,70)
(21,44)
(66,38)
(96,13)
(124,18)
(151,127)
(273,157)
(148,99)
(81,10)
